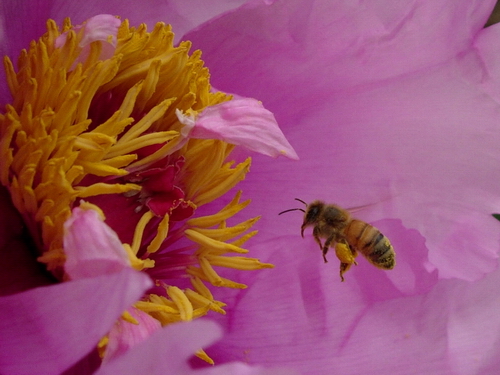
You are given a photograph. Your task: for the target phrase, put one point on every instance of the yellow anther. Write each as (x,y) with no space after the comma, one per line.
(182,302)
(161,235)
(129,318)
(215,246)
(204,356)
(101,188)
(139,230)
(241,263)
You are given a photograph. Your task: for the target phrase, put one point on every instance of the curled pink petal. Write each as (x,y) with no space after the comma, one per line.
(124,335)
(92,248)
(103,27)
(244,122)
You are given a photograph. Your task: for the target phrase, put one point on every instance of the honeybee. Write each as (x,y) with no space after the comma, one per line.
(347,235)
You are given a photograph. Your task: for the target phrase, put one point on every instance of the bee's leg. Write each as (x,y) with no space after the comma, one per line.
(346,255)
(343,268)
(354,254)
(327,244)
(316,237)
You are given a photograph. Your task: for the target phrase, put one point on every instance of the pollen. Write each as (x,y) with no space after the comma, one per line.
(102,131)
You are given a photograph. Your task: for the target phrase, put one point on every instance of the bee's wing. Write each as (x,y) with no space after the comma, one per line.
(359,208)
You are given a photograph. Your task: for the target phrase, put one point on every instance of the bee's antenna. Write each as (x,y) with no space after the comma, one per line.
(295,209)
(300,200)
(292,209)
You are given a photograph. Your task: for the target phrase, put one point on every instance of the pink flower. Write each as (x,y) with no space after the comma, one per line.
(390,105)
(106,176)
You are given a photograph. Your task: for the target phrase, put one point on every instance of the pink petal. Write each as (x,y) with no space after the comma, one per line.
(301,49)
(166,351)
(488,52)
(244,122)
(239,368)
(92,248)
(45,330)
(124,335)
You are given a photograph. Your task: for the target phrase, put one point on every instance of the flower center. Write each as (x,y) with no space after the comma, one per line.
(81,126)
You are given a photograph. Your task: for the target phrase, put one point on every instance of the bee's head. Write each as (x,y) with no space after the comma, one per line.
(312,215)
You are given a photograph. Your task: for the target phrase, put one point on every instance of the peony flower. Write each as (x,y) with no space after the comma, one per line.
(393,107)
(112,143)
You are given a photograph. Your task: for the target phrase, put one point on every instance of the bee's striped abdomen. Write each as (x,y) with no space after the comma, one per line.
(369,241)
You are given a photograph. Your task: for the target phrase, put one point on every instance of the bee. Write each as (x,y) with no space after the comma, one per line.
(347,235)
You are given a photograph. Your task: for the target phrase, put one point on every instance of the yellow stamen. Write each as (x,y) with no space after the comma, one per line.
(204,356)
(198,300)
(224,234)
(129,318)
(102,188)
(160,236)
(139,230)
(226,179)
(221,281)
(240,241)
(241,263)
(136,263)
(228,211)
(182,302)
(213,245)
(155,307)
